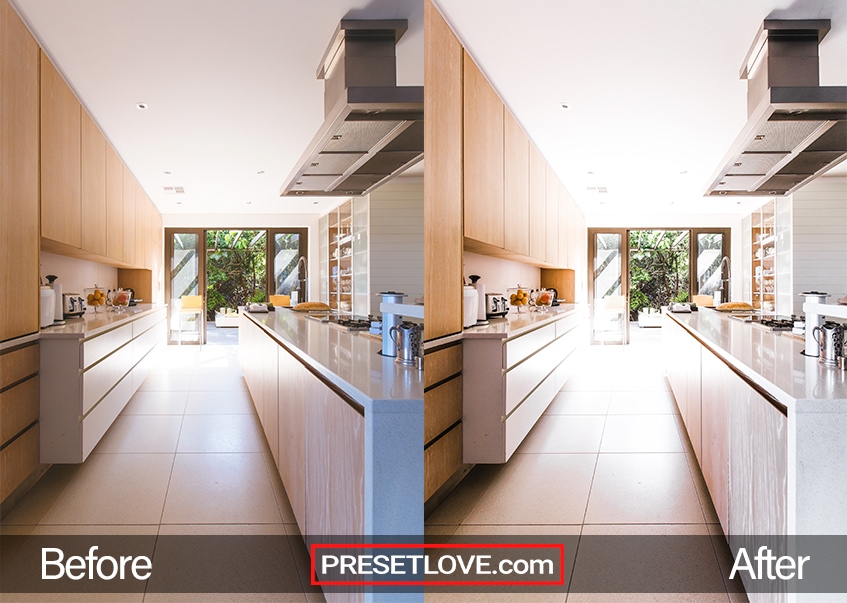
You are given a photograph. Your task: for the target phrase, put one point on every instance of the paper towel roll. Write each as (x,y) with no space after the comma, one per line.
(60,311)
(480,289)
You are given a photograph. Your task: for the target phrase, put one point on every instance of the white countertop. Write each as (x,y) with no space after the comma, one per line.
(91,323)
(514,324)
(348,360)
(772,361)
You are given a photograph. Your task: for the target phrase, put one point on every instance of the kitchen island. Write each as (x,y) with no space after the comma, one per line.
(344,424)
(764,420)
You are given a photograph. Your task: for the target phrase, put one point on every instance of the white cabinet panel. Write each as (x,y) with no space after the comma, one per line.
(100,378)
(525,345)
(98,347)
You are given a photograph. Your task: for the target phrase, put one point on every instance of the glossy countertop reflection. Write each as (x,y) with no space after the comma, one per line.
(94,323)
(773,361)
(514,324)
(349,360)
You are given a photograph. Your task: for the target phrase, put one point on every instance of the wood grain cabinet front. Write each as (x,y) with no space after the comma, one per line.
(19,208)
(516,187)
(93,188)
(483,158)
(60,159)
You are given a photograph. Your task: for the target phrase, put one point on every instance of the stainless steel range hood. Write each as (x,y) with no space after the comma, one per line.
(373,129)
(796,129)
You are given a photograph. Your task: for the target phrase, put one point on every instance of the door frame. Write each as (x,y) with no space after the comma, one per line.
(201,274)
(592,249)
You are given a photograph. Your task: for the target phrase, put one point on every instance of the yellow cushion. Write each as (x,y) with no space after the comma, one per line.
(191,302)
(281,300)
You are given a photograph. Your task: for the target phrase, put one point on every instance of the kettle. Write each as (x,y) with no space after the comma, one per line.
(408,337)
(830,338)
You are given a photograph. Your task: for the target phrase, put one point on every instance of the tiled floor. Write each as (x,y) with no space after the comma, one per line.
(186,456)
(609,456)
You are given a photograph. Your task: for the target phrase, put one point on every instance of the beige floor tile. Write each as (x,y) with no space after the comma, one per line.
(642,403)
(517,597)
(302,560)
(537,489)
(640,433)
(209,529)
(734,587)
(220,433)
(587,383)
(220,403)
(217,383)
(565,433)
(702,490)
(437,531)
(157,403)
(72,598)
(643,488)
(219,364)
(458,503)
(141,434)
(38,501)
(579,403)
(281,496)
(224,598)
(96,530)
(647,598)
(114,489)
(220,489)
(171,382)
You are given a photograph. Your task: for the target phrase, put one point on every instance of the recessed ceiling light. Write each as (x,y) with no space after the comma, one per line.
(590,173)
(179,202)
(314,202)
(683,172)
(167,172)
(565,105)
(141,106)
(260,172)
(249,203)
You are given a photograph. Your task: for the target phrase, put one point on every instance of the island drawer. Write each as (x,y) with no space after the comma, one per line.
(442,407)
(442,364)
(526,345)
(99,347)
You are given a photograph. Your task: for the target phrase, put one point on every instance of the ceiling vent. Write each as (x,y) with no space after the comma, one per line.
(373,129)
(796,129)
(174,190)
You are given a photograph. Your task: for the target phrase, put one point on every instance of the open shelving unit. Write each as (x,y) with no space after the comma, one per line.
(763,224)
(340,252)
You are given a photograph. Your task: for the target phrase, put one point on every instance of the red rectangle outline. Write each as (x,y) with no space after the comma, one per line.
(315,582)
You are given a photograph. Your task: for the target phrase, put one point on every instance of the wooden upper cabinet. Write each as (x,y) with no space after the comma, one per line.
(114,205)
(143,229)
(93,187)
(483,157)
(537,205)
(552,217)
(19,235)
(516,186)
(60,158)
(128,230)
(565,219)
(442,177)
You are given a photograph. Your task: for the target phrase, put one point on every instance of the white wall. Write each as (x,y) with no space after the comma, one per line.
(500,274)
(396,240)
(673,221)
(76,274)
(249,221)
(819,239)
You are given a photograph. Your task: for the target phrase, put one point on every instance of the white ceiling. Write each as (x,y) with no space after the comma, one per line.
(655,99)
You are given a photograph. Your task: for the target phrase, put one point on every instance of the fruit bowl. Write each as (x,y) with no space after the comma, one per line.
(542,299)
(518,298)
(119,299)
(96,297)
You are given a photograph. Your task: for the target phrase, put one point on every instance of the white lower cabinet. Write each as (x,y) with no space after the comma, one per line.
(86,382)
(508,383)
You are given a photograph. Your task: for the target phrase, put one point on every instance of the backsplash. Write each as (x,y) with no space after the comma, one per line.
(76,274)
(499,274)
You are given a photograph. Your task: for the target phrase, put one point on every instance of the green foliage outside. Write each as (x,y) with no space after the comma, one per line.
(658,269)
(235,268)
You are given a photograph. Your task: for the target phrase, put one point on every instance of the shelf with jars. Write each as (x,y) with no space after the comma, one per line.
(763,224)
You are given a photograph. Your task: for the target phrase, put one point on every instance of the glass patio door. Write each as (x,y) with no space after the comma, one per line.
(185,286)
(608,286)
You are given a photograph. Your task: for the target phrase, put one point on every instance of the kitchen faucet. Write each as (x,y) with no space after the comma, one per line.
(724,286)
(302,283)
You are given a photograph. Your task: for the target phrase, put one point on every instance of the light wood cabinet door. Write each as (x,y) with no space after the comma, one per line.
(565,218)
(483,154)
(537,205)
(142,229)
(114,205)
(714,458)
(516,186)
(442,177)
(19,234)
(60,158)
(128,230)
(93,187)
(552,224)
